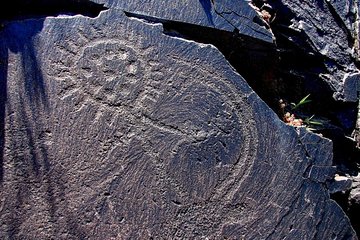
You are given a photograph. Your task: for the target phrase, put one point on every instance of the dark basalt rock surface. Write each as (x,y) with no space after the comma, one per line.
(112,129)
(233,16)
(329,30)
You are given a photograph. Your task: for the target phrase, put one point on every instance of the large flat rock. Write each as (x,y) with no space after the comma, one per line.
(113,130)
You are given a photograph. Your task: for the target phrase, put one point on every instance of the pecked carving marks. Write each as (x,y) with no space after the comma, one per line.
(152,136)
(197,114)
(187,123)
(178,142)
(173,131)
(109,71)
(207,137)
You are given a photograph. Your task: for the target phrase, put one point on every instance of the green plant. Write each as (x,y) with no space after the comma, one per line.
(289,118)
(310,121)
(303,101)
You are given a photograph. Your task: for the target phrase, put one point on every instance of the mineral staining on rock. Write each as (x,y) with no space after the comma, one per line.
(146,135)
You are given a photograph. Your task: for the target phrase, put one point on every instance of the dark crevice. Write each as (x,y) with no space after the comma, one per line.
(29,9)
(252,58)
(289,71)
(301,71)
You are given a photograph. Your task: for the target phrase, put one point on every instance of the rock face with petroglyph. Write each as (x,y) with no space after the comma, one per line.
(114,130)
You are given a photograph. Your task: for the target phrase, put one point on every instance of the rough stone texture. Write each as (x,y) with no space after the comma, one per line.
(332,31)
(229,15)
(114,130)
(354,202)
(355,191)
(352,87)
(340,184)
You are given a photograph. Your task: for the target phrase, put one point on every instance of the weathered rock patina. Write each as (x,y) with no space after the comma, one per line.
(114,130)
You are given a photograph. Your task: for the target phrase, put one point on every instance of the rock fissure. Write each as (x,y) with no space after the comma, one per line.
(234,46)
(178,140)
(196,33)
(182,30)
(223,15)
